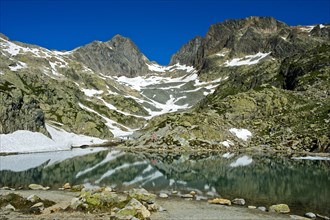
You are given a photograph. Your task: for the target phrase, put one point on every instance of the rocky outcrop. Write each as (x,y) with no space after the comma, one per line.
(321,31)
(19,111)
(117,57)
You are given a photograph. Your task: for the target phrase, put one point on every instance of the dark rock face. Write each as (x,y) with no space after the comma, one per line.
(119,56)
(249,36)
(243,35)
(20,112)
(190,54)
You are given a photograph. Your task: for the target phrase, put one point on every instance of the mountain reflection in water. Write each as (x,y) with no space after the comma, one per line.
(262,179)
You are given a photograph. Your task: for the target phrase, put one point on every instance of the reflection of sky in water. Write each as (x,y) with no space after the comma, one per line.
(258,178)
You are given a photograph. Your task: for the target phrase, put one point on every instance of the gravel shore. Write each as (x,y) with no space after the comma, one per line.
(176,208)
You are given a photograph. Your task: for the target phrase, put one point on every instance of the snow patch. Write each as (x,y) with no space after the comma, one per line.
(228,155)
(10,47)
(242,161)
(156,68)
(75,140)
(247,60)
(116,131)
(242,133)
(92,92)
(19,65)
(60,53)
(307,28)
(178,66)
(227,143)
(222,54)
(141,82)
(162,69)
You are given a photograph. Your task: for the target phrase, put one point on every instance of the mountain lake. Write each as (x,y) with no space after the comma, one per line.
(261,179)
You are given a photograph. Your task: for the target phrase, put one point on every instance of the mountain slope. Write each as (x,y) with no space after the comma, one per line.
(270,98)
(259,83)
(63,91)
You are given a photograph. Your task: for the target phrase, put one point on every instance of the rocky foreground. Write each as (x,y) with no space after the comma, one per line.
(105,203)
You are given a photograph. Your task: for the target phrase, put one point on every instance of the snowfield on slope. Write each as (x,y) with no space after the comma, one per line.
(247,60)
(22,141)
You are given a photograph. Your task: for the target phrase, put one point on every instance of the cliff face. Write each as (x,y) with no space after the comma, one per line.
(190,54)
(19,111)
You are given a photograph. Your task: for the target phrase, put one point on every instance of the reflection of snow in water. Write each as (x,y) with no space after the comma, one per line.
(242,161)
(110,157)
(22,162)
(123,166)
(311,158)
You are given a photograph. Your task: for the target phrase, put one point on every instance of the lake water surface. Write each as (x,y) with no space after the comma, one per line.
(261,179)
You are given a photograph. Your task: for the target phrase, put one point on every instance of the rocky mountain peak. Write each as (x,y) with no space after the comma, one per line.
(118,56)
(250,36)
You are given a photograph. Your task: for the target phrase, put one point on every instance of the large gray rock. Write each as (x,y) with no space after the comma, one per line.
(117,57)
(133,209)
(142,195)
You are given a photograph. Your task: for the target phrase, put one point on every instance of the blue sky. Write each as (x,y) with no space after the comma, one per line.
(158,27)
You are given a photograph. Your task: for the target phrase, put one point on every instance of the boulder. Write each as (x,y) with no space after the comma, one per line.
(37,187)
(238,201)
(322,216)
(252,207)
(220,201)
(77,188)
(155,207)
(37,208)
(262,208)
(187,196)
(163,195)
(280,208)
(310,215)
(133,209)
(9,207)
(75,203)
(142,195)
(33,198)
(193,193)
(67,186)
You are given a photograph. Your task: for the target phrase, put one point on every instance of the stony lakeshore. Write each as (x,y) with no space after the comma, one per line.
(76,202)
